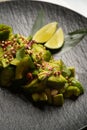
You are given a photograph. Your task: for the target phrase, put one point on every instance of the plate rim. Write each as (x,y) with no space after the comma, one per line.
(60,6)
(7,1)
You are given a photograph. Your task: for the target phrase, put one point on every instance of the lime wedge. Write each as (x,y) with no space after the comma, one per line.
(45,33)
(56,40)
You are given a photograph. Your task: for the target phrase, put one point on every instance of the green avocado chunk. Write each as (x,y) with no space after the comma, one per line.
(39,97)
(35,97)
(34,86)
(72,91)
(58,100)
(56,81)
(39,53)
(72,70)
(7,76)
(43,74)
(23,67)
(76,83)
(65,70)
(5,32)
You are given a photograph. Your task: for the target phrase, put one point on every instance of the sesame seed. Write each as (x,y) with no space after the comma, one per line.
(10,59)
(38,65)
(14,39)
(35,62)
(9,42)
(3,41)
(29,47)
(4,49)
(10,45)
(26,51)
(5,55)
(10,56)
(48,74)
(2,45)
(50,68)
(29,52)
(6,43)
(13,51)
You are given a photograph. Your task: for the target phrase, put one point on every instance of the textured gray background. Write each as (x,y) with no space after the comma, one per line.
(16,112)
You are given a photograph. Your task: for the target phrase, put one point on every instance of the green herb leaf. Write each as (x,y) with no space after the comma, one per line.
(39,22)
(20,53)
(72,39)
(80,31)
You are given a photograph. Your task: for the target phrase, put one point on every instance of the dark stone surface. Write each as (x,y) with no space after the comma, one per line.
(16,112)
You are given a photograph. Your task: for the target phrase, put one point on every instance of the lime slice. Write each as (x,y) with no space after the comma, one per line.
(56,40)
(45,33)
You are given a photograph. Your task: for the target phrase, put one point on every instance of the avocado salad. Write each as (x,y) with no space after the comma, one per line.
(44,78)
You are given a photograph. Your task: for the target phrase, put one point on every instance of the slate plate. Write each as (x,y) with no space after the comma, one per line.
(16,112)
